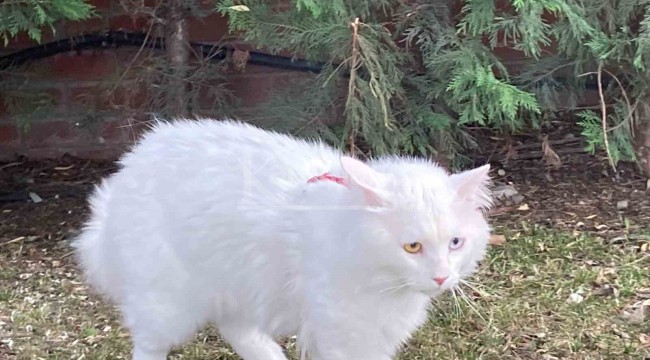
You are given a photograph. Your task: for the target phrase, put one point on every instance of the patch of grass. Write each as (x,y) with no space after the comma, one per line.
(515,308)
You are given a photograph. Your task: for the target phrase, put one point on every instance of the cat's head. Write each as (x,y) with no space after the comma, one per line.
(428,228)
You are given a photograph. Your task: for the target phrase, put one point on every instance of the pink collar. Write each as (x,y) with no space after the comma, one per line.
(328,177)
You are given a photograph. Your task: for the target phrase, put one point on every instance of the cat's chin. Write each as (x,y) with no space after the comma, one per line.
(432,292)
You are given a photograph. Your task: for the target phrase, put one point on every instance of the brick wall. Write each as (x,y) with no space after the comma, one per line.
(72,81)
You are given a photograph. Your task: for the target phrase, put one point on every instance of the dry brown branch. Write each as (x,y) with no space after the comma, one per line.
(603,111)
(354,64)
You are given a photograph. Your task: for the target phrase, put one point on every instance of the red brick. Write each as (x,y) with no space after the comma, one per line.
(23,41)
(107,152)
(120,132)
(129,23)
(209,29)
(52,134)
(252,90)
(9,134)
(53,95)
(4,112)
(129,96)
(92,25)
(86,65)
(101,4)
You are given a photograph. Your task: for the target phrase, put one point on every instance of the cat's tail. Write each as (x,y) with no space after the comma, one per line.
(92,250)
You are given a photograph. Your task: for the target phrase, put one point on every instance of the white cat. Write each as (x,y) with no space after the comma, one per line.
(269,236)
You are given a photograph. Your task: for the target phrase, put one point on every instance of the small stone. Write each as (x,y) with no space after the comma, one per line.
(575,298)
(501,172)
(504,191)
(622,205)
(518,199)
(35,198)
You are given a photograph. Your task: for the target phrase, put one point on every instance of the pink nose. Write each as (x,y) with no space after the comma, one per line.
(440,280)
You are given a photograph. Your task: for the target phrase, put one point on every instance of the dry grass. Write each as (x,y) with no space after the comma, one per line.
(516,309)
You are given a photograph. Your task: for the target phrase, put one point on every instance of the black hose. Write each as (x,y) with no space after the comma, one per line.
(121,38)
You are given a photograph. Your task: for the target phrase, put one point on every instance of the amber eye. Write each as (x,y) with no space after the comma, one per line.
(413,248)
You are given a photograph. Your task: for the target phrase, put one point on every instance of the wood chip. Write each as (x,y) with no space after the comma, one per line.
(497,240)
(63,168)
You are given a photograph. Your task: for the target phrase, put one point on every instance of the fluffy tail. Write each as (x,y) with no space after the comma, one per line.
(91,247)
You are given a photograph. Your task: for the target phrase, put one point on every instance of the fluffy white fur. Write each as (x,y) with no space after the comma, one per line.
(214,221)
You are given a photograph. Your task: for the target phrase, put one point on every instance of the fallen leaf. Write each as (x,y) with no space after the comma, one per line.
(645,341)
(641,313)
(240,8)
(550,156)
(622,334)
(497,240)
(643,293)
(605,290)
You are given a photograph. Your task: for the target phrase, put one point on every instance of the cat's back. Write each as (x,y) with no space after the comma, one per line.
(228,147)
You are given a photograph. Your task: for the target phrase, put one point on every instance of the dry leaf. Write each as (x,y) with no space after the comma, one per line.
(550,156)
(497,240)
(605,290)
(641,313)
(645,341)
(239,59)
(240,8)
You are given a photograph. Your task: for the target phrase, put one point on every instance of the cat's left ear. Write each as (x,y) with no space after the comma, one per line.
(472,185)
(366,179)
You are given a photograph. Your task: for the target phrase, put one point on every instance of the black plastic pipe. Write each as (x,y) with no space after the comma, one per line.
(114,39)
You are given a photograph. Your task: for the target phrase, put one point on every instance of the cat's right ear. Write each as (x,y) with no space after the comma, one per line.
(366,179)
(472,186)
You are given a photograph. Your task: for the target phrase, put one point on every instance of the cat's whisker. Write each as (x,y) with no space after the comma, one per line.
(395,288)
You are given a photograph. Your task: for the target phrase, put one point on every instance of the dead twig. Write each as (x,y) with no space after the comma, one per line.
(603,111)
(354,64)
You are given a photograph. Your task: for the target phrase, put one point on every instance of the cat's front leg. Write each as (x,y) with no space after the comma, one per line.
(251,344)
(345,343)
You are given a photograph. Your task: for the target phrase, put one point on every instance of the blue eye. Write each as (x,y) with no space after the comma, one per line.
(456,243)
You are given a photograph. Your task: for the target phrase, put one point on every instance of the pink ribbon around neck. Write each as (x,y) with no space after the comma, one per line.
(328,177)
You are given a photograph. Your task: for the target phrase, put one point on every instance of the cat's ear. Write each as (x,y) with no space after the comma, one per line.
(366,179)
(472,185)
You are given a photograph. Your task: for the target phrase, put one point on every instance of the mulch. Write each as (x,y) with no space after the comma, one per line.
(582,193)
